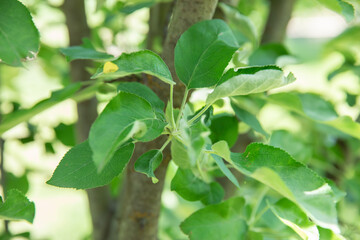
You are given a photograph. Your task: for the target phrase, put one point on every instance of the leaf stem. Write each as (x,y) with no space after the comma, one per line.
(199,114)
(172,107)
(165,144)
(182,107)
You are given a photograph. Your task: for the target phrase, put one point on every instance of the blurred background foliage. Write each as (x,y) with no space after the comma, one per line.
(321,48)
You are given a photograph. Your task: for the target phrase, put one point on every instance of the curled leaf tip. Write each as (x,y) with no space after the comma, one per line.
(110,67)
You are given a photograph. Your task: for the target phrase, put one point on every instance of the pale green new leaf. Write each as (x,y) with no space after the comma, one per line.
(340,6)
(17,207)
(292,216)
(126,116)
(148,162)
(220,221)
(143,61)
(19,38)
(278,170)
(77,169)
(203,52)
(327,234)
(249,80)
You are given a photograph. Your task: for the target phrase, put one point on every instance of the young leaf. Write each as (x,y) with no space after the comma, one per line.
(19,38)
(278,170)
(125,116)
(143,61)
(249,119)
(186,152)
(249,80)
(292,216)
(148,162)
(220,221)
(22,115)
(77,170)
(82,52)
(203,52)
(17,207)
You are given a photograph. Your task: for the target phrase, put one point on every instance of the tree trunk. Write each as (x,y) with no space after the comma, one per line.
(140,201)
(99,198)
(278,19)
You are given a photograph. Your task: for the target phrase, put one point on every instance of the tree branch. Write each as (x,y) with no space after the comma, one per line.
(278,19)
(139,204)
(99,198)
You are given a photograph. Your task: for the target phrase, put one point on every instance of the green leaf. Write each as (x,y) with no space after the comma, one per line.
(341,7)
(224,127)
(316,108)
(221,221)
(225,170)
(148,162)
(327,234)
(267,54)
(188,186)
(193,140)
(19,38)
(77,170)
(215,195)
(297,148)
(278,170)
(143,91)
(126,116)
(17,207)
(249,119)
(243,28)
(82,52)
(249,80)
(143,61)
(292,216)
(203,52)
(21,183)
(66,134)
(23,115)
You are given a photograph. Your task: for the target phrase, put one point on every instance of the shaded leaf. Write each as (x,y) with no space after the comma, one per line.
(224,127)
(66,134)
(225,170)
(77,170)
(17,207)
(82,52)
(203,52)
(220,221)
(249,119)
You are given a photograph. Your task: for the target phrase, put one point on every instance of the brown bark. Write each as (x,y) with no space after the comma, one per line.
(139,204)
(279,16)
(99,198)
